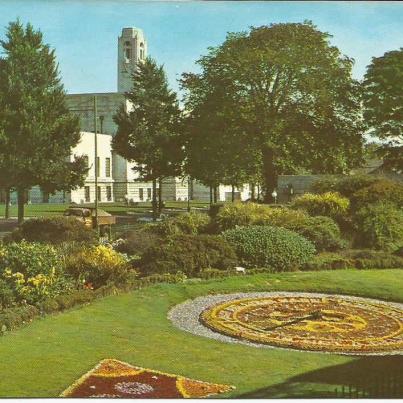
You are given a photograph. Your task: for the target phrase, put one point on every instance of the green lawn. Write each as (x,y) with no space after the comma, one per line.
(46,356)
(50,209)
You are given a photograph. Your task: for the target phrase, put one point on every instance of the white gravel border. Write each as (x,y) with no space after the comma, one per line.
(186,315)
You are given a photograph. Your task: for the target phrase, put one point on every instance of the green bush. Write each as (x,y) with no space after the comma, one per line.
(371,259)
(98,265)
(323,232)
(328,261)
(275,248)
(192,223)
(189,254)
(243,214)
(33,270)
(53,230)
(135,242)
(12,318)
(379,226)
(328,204)
(7,296)
(381,191)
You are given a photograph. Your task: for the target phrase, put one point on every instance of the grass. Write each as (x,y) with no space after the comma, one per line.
(50,209)
(45,357)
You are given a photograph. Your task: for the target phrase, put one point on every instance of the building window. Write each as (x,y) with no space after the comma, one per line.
(149,193)
(99,193)
(86,161)
(98,166)
(108,167)
(109,193)
(141,194)
(141,51)
(87,194)
(127,54)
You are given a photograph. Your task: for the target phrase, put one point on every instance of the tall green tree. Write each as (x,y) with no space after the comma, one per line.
(149,131)
(383,102)
(289,96)
(37,130)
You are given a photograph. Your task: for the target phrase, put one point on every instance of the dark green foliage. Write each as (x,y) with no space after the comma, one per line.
(149,133)
(383,99)
(7,295)
(384,190)
(135,242)
(371,259)
(189,254)
(15,317)
(215,208)
(278,249)
(328,261)
(53,230)
(258,88)
(37,131)
(379,226)
(323,232)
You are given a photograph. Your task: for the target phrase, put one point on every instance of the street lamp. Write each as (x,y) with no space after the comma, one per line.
(274,195)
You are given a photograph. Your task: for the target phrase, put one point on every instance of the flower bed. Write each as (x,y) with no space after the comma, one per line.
(112,378)
(313,322)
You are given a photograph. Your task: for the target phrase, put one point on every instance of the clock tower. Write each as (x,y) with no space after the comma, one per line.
(132,49)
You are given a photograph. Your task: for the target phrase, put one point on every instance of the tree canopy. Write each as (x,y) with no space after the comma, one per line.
(383,102)
(149,130)
(286,97)
(37,131)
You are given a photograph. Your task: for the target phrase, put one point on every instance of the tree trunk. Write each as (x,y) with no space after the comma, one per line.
(21,203)
(7,208)
(232,193)
(252,193)
(215,194)
(211,195)
(154,201)
(160,196)
(269,174)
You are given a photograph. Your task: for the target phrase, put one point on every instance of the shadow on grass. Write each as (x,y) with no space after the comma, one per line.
(370,373)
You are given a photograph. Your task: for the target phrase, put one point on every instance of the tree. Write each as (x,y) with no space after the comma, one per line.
(149,130)
(383,103)
(289,96)
(37,129)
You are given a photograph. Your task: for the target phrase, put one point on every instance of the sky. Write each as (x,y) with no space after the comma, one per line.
(84,33)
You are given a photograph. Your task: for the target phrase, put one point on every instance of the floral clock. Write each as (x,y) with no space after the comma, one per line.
(310,322)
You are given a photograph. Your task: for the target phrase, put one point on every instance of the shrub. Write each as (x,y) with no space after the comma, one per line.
(276,248)
(135,242)
(189,254)
(7,297)
(33,270)
(11,318)
(323,232)
(371,259)
(328,204)
(379,226)
(328,261)
(53,230)
(98,265)
(189,223)
(381,191)
(243,214)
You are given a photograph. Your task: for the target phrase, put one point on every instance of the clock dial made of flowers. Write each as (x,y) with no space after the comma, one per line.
(314,323)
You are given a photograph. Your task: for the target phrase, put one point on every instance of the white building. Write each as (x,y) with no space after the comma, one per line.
(117,181)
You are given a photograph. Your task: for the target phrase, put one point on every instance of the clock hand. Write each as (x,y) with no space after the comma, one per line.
(316,315)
